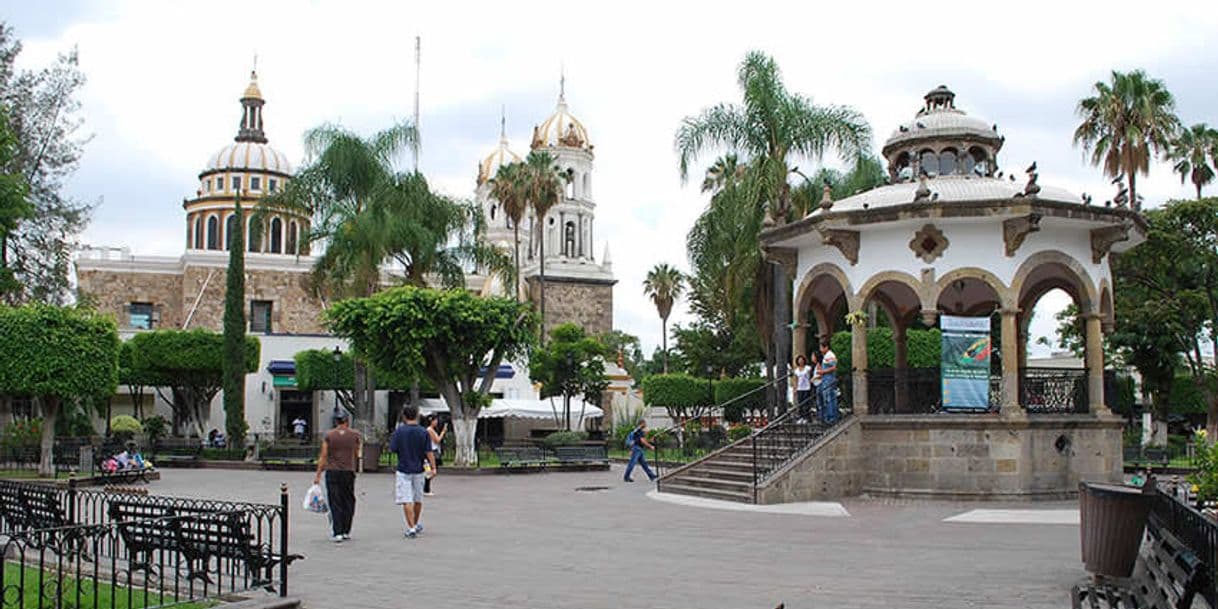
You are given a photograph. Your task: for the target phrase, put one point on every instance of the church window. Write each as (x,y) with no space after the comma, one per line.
(568,246)
(947,162)
(292,237)
(207,185)
(219,184)
(213,233)
(260,316)
(930,162)
(272,185)
(255,183)
(230,229)
(139,315)
(236,183)
(199,233)
(276,236)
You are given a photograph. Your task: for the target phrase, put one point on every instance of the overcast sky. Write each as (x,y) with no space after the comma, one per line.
(164,77)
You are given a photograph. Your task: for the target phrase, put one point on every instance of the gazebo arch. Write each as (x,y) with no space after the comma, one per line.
(1047,270)
(902,297)
(951,279)
(822,288)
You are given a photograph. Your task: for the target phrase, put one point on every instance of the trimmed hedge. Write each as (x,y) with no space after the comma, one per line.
(731,388)
(675,391)
(922,348)
(565,438)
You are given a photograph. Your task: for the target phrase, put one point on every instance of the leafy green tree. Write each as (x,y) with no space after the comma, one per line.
(739,396)
(1126,122)
(771,128)
(44,115)
(452,338)
(544,187)
(683,396)
(234,364)
(58,355)
(1194,153)
(628,350)
(190,364)
(664,285)
(866,173)
(571,364)
(15,206)
(136,379)
(705,350)
(321,370)
(510,187)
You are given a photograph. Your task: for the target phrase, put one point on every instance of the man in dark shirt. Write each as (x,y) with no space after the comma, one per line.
(339,456)
(412,444)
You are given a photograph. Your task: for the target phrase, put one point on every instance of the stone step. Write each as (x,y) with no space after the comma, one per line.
(677,488)
(726,472)
(705,481)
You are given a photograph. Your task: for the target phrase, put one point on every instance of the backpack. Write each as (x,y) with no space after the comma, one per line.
(632,438)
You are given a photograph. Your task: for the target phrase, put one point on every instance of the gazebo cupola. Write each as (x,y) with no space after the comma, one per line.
(942,140)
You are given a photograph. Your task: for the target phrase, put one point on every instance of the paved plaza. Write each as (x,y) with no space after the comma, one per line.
(535,541)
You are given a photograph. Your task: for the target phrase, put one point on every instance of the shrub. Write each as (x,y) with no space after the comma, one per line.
(683,396)
(922,347)
(125,427)
(739,432)
(156,427)
(730,389)
(564,438)
(21,433)
(1205,474)
(619,435)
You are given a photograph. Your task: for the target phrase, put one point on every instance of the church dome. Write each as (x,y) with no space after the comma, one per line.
(500,156)
(561,129)
(942,140)
(249,151)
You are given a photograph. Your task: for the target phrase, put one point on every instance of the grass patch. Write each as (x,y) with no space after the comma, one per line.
(28,474)
(87,594)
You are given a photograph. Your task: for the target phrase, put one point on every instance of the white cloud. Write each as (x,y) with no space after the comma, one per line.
(164,78)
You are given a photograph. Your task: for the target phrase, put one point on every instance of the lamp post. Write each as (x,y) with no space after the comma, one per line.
(566,399)
(338,357)
(710,390)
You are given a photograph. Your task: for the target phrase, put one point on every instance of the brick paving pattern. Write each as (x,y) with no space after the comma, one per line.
(534,541)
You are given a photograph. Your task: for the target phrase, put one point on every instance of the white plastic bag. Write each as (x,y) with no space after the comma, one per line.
(315,501)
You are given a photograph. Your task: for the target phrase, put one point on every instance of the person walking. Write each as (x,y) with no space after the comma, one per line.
(298,428)
(827,390)
(437,442)
(412,444)
(339,455)
(637,442)
(803,387)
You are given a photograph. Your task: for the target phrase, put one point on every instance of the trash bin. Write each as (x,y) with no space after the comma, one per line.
(1112,520)
(372,456)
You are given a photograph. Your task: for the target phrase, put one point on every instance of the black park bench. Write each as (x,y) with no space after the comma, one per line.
(1167,575)
(520,456)
(154,533)
(582,455)
(278,456)
(179,452)
(27,507)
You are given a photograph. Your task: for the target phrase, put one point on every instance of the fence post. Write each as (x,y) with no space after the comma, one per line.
(72,498)
(283,539)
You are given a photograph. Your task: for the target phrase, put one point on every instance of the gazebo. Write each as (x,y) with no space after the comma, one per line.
(953,234)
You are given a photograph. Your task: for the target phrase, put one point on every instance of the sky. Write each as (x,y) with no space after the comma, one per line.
(164,78)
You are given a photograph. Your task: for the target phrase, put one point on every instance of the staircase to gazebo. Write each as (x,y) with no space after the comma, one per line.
(734,472)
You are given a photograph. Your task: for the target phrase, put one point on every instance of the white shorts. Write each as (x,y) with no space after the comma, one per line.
(408,488)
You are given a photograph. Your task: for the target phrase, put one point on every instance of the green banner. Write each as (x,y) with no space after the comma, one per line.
(965,362)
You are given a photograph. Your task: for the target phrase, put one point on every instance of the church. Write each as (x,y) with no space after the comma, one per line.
(145,292)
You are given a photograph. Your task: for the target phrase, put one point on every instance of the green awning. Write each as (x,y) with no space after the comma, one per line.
(283,381)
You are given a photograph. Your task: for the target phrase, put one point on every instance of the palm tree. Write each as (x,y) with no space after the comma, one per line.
(544,184)
(771,128)
(1126,122)
(664,285)
(1195,151)
(340,188)
(510,188)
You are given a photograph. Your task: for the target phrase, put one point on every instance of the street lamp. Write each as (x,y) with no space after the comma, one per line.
(710,389)
(566,399)
(338,357)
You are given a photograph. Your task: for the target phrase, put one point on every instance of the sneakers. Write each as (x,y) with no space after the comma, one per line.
(411,534)
(418,529)
(336,538)
(627,479)
(429,494)
(346,536)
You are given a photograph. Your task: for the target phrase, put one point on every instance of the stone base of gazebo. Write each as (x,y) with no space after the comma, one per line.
(956,456)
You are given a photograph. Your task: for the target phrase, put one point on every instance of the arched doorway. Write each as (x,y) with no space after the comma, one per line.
(893,306)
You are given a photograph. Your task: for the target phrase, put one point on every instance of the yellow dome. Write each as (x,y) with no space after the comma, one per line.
(561,129)
(252,91)
(500,156)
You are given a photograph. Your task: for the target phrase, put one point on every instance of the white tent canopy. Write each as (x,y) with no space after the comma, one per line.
(549,409)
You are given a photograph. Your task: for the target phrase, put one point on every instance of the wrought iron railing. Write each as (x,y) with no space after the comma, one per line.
(1170,510)
(1053,390)
(230,546)
(784,439)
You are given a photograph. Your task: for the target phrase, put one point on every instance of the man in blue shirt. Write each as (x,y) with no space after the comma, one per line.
(412,445)
(636,442)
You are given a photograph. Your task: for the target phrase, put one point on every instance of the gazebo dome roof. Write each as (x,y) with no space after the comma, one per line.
(947,190)
(940,122)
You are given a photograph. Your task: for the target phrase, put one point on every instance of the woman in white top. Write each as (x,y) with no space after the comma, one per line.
(437,443)
(803,386)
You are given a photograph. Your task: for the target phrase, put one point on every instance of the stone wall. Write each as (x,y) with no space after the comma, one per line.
(835,469)
(293,309)
(976,456)
(113,291)
(586,303)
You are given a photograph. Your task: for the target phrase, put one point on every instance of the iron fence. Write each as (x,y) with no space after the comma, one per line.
(919,391)
(1170,510)
(784,439)
(1053,390)
(209,546)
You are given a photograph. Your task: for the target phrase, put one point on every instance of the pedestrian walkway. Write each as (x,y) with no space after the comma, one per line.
(534,541)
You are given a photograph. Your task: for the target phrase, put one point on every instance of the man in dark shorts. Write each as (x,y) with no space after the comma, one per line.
(339,455)
(412,444)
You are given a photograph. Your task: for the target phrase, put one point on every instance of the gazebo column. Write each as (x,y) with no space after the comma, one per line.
(799,341)
(1010,363)
(858,363)
(900,364)
(1094,357)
